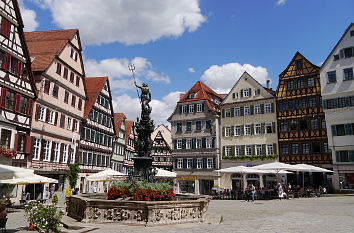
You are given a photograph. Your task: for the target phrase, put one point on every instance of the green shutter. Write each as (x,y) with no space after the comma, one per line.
(272,106)
(337,156)
(275,148)
(273,127)
(184,163)
(347,101)
(241,93)
(223,151)
(232,112)
(232,150)
(223,131)
(335,103)
(242,130)
(334,130)
(252,109)
(348,129)
(262,108)
(253,149)
(351,155)
(341,53)
(258,91)
(233,95)
(241,111)
(232,130)
(263,127)
(264,149)
(223,113)
(250,92)
(324,104)
(252,129)
(242,150)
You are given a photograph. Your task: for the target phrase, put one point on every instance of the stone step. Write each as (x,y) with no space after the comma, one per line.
(71,224)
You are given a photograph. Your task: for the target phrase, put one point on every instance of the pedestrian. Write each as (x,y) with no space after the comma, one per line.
(280,191)
(247,194)
(3,212)
(253,191)
(94,189)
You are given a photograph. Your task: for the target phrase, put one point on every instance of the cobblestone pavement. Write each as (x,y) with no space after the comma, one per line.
(325,214)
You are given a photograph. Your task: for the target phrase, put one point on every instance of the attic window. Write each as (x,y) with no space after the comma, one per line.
(352,33)
(336,57)
(192,96)
(105,87)
(298,64)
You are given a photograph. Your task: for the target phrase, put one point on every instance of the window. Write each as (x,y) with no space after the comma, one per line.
(348,73)
(72,155)
(184,109)
(24,105)
(36,148)
(72,75)
(58,68)
(311,82)
(189,126)
(295,149)
(246,92)
(340,130)
(298,64)
(199,163)
(348,52)
(303,124)
(291,105)
(198,143)
(343,156)
(208,124)
(323,123)
(248,150)
(283,126)
(198,125)
(314,123)
(70,123)
(51,116)
(189,163)
(269,127)
(10,100)
(301,103)
(284,148)
(77,81)
(41,113)
(5,138)
(199,108)
(237,150)
(326,148)
(257,109)
(208,142)
(267,108)
(191,96)
(335,57)
(14,63)
(76,126)
(300,83)
(306,148)
(227,112)
(189,144)
(247,110)
(210,163)
(73,100)
(293,125)
(227,150)
(62,121)
(257,129)
(179,144)
(21,143)
(235,95)
(290,85)
(73,54)
(258,149)
(352,33)
(46,150)
(331,77)
(65,75)
(179,127)
(179,163)
(237,112)
(331,103)
(79,106)
(257,92)
(237,130)
(66,97)
(247,129)
(312,102)
(227,131)
(270,149)
(191,108)
(56,152)
(342,102)
(55,90)
(316,147)
(282,106)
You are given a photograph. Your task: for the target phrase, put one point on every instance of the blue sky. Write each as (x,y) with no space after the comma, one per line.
(176,43)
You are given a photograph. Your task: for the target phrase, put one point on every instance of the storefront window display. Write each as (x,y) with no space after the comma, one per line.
(346,180)
(186,186)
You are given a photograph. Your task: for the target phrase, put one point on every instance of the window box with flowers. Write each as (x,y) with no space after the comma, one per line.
(7,153)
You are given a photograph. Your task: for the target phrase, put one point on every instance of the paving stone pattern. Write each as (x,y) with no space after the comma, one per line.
(325,214)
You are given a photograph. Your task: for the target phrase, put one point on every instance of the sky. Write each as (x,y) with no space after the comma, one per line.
(173,44)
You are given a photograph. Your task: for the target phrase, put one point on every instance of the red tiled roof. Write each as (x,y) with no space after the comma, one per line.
(203,92)
(94,86)
(45,45)
(118,120)
(128,129)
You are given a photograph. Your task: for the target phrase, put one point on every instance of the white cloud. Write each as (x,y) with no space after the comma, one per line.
(222,78)
(28,17)
(126,21)
(191,69)
(161,109)
(281,2)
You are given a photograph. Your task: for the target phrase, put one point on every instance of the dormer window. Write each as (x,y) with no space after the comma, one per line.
(192,96)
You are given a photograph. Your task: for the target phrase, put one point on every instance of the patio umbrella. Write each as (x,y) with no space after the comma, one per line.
(106,175)
(276,167)
(309,168)
(9,172)
(161,173)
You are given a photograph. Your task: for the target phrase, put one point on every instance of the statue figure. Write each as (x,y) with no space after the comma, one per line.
(145,98)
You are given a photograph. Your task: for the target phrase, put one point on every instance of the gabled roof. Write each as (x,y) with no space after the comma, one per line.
(165,133)
(202,92)
(128,130)
(45,45)
(335,47)
(94,86)
(118,121)
(292,60)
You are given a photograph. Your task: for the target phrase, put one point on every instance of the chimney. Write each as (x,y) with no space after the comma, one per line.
(268,84)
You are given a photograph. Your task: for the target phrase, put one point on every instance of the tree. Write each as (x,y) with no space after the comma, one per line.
(74,174)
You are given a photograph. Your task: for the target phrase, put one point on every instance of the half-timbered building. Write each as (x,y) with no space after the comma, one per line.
(97,131)
(301,124)
(16,87)
(59,78)
(130,151)
(162,148)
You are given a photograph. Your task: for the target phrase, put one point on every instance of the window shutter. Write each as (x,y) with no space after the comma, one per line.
(223,113)
(324,104)
(233,95)
(56,119)
(242,150)
(18,102)
(16,142)
(249,92)
(214,162)
(7,61)
(19,68)
(258,91)
(30,156)
(195,108)
(223,151)
(272,107)
(262,127)
(183,143)
(204,162)
(30,107)
(351,155)
(175,144)
(42,150)
(251,109)
(203,107)
(3,97)
(52,152)
(334,130)
(203,142)
(348,129)
(28,144)
(264,149)
(253,150)
(176,163)
(180,109)
(61,154)
(341,53)
(194,163)
(242,130)
(73,125)
(275,148)
(5,27)
(47,115)
(232,131)
(76,56)
(262,108)
(193,143)
(273,127)
(232,110)
(335,103)
(241,111)
(213,143)
(337,156)
(223,131)
(37,112)
(252,129)
(232,150)
(241,93)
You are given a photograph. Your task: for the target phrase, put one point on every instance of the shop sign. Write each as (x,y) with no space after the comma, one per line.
(186,178)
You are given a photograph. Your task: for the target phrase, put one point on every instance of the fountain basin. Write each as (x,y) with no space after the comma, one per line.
(149,213)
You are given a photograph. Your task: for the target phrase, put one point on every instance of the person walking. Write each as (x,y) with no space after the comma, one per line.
(247,194)
(280,191)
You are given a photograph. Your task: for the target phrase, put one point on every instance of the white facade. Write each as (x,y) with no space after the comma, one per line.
(337,87)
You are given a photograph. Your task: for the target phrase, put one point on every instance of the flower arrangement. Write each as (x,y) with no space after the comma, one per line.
(6,152)
(141,191)
(44,217)
(251,157)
